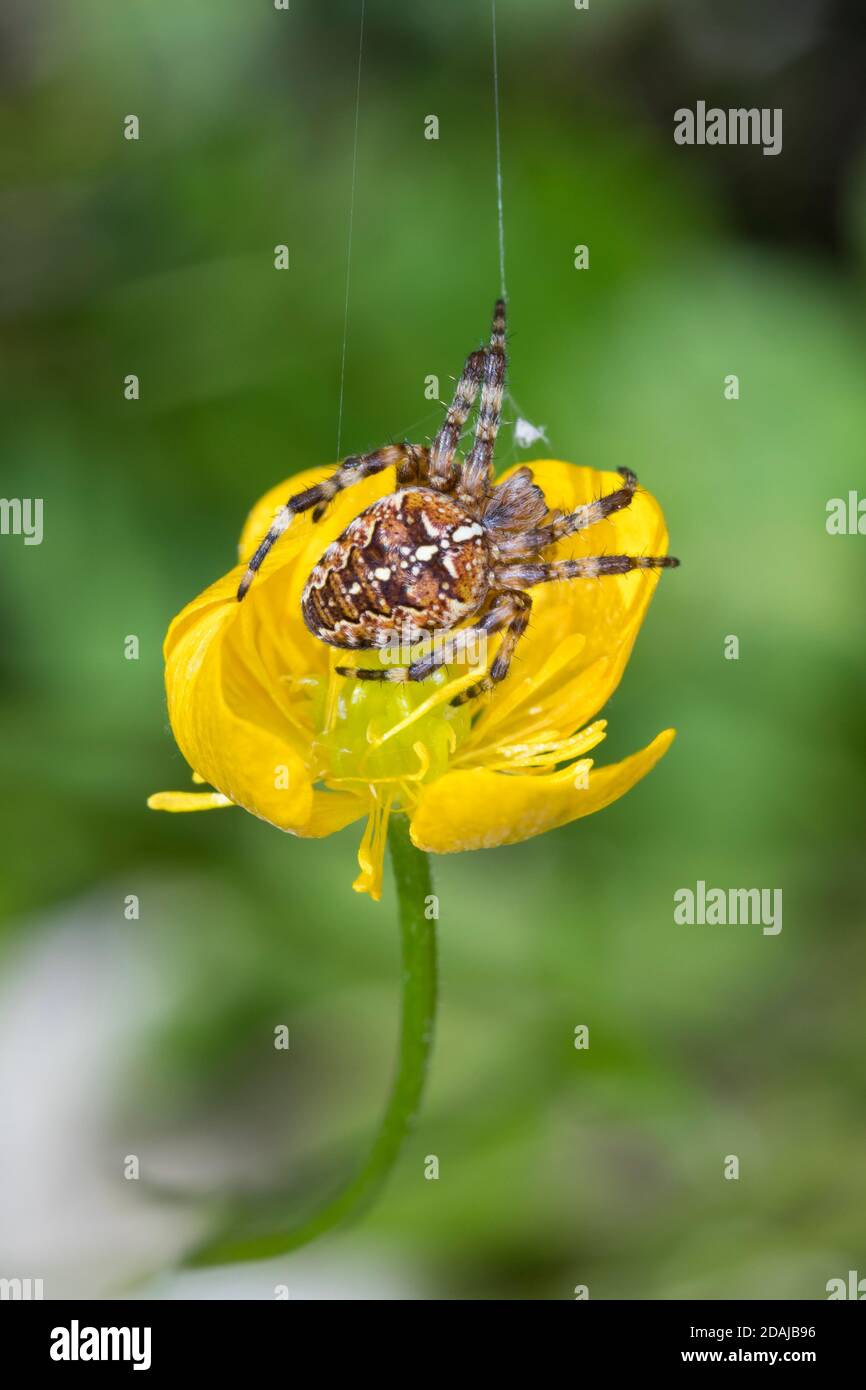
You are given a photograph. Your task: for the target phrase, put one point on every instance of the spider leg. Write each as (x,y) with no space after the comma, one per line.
(444,446)
(409,460)
(477,470)
(602,507)
(318,496)
(442,652)
(528,542)
(520,605)
(529,573)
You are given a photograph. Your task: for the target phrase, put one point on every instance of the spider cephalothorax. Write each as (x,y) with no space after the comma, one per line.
(450,546)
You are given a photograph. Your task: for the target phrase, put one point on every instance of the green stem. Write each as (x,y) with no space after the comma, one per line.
(418,937)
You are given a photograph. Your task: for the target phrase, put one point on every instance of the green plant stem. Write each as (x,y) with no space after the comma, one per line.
(418,938)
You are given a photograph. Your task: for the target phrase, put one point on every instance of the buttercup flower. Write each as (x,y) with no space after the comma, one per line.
(261,715)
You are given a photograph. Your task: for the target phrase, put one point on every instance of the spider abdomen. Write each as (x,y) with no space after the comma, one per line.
(414,561)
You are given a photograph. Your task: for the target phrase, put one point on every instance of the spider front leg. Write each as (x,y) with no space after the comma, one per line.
(596,511)
(529,542)
(318,496)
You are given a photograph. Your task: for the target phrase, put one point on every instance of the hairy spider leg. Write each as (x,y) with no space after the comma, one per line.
(351,471)
(521,606)
(498,617)
(529,573)
(477,472)
(444,447)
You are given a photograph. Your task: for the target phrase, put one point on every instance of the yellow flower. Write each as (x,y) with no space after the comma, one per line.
(260,714)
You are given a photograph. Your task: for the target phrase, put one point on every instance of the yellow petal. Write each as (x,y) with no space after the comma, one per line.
(187,801)
(211,695)
(237,675)
(480,809)
(333,811)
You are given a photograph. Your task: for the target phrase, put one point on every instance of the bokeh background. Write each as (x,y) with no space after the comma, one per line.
(155,1037)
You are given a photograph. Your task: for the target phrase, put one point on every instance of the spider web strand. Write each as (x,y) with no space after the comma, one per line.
(351,229)
(499,209)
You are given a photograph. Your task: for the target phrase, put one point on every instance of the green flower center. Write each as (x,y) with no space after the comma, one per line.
(386,731)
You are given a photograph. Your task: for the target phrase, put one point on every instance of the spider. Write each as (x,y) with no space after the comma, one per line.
(449,546)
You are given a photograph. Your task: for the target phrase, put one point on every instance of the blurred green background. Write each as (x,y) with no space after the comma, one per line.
(154,1037)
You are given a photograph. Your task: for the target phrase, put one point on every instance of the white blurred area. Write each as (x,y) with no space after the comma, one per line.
(77,991)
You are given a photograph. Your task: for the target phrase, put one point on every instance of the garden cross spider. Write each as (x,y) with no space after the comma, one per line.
(449,545)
